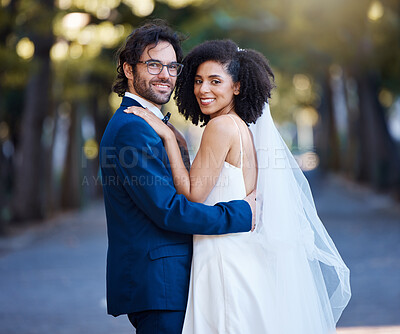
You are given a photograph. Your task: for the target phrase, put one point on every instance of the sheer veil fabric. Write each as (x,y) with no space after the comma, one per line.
(310,281)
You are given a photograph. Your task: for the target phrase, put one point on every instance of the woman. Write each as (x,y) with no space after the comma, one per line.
(287,276)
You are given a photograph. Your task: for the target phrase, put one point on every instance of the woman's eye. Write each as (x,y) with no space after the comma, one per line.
(215,81)
(197,82)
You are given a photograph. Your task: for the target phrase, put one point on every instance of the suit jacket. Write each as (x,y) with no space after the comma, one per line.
(149,225)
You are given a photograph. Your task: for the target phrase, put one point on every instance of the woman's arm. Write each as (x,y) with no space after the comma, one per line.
(215,144)
(206,168)
(182,146)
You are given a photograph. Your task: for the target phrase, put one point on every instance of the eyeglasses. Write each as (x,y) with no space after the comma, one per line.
(155,67)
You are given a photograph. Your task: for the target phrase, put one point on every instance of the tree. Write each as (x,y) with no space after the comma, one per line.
(31,175)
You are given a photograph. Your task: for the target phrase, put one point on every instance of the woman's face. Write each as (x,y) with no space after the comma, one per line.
(214,89)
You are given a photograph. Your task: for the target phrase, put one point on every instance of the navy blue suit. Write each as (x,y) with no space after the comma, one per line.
(149,225)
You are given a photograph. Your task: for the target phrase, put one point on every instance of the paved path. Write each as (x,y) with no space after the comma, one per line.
(52,275)
(52,278)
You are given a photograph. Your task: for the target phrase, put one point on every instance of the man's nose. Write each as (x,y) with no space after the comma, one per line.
(164,74)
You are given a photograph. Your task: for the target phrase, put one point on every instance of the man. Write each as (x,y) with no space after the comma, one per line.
(150,226)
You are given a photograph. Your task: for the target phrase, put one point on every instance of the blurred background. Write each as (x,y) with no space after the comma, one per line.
(337,101)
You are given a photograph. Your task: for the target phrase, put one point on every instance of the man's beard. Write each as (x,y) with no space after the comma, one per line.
(145,90)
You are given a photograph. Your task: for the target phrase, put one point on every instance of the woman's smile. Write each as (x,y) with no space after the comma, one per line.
(206,101)
(214,89)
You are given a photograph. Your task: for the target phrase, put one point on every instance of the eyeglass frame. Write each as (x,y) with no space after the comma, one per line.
(162,66)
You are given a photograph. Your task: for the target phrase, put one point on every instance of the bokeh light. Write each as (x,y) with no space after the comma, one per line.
(103,12)
(64,4)
(301,82)
(308,161)
(87,34)
(375,11)
(75,50)
(114,101)
(25,48)
(59,51)
(4,131)
(307,116)
(91,149)
(92,50)
(75,21)
(385,98)
(141,8)
(180,3)
(108,34)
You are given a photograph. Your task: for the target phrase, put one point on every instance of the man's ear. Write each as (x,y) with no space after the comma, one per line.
(128,71)
(236,88)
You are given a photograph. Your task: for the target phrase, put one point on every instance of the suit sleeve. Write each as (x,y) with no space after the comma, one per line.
(140,167)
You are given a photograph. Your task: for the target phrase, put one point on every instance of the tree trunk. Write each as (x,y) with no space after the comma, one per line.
(28,192)
(100,122)
(381,162)
(352,164)
(327,142)
(10,12)
(71,179)
(28,202)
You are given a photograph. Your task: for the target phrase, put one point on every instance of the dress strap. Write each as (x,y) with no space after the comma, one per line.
(240,139)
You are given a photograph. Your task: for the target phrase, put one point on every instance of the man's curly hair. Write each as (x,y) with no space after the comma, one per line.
(151,33)
(248,67)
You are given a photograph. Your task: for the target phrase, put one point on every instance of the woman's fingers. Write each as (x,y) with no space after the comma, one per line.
(139,111)
(157,124)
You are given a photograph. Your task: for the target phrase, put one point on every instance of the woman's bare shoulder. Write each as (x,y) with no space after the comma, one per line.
(221,127)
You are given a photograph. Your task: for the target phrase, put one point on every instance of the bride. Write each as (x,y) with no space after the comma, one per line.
(286,277)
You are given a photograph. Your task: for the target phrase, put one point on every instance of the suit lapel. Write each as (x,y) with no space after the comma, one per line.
(129,102)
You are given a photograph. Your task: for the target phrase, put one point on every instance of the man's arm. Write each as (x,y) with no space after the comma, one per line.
(149,184)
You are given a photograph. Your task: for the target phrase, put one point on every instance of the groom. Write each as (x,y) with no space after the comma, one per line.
(149,225)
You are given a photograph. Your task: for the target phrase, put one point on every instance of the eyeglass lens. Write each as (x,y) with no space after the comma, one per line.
(155,67)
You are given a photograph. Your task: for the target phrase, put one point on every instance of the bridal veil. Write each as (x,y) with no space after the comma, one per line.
(311,283)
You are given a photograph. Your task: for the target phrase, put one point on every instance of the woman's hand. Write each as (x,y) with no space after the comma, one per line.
(157,124)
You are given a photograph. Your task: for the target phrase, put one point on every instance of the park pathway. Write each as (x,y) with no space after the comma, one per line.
(52,275)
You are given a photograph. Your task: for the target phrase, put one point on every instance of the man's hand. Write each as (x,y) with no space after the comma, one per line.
(251,199)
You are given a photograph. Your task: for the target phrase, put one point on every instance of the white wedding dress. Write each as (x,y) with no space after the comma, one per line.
(227,272)
(286,277)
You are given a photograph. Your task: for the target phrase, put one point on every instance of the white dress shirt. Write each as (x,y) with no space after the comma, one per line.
(146,104)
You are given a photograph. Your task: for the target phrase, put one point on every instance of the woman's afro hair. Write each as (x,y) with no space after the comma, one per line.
(248,67)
